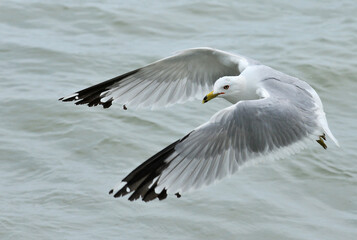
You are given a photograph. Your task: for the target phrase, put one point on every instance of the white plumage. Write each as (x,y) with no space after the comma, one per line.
(273,115)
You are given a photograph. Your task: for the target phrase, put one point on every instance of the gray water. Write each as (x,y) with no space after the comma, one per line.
(58,160)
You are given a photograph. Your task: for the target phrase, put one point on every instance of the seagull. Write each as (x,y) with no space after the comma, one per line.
(272,115)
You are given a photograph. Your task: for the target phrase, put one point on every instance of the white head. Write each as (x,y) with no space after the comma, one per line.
(229,88)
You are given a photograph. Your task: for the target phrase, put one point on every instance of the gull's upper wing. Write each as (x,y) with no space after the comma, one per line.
(257,129)
(187,75)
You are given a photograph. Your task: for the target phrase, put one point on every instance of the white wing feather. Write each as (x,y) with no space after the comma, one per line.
(185,76)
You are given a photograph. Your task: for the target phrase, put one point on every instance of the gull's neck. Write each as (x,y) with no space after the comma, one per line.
(246,85)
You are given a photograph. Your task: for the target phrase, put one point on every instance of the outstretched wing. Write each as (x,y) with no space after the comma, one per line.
(257,129)
(185,76)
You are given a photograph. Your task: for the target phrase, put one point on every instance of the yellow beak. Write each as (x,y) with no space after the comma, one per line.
(209,96)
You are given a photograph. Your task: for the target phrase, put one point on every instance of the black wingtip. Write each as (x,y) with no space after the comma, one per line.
(162,195)
(117,194)
(92,95)
(142,182)
(70,98)
(108,103)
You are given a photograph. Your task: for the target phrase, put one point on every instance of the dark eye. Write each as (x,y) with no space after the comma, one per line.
(226,87)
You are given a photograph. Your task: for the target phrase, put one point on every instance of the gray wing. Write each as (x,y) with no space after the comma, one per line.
(185,76)
(257,129)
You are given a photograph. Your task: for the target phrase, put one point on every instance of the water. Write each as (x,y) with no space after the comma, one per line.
(58,160)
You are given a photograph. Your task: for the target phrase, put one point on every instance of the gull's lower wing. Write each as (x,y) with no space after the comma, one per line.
(185,76)
(248,130)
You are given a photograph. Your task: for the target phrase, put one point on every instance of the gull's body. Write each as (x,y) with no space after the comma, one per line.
(273,115)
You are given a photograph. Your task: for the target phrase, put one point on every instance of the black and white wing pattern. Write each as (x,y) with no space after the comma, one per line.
(185,76)
(270,127)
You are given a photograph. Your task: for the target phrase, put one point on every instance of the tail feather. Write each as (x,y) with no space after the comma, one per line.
(327,130)
(329,133)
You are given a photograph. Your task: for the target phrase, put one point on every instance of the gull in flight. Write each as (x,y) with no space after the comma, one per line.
(272,115)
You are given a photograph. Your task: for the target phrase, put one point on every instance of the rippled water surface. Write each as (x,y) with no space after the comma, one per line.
(58,160)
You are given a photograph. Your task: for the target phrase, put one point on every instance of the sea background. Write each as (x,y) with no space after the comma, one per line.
(58,160)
